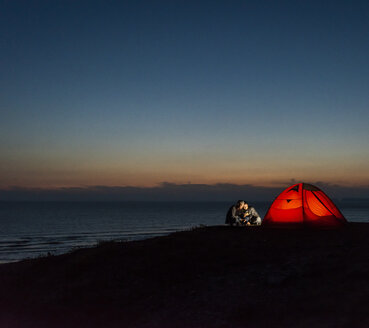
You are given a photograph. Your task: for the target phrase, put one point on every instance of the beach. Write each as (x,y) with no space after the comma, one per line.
(141,140)
(205,277)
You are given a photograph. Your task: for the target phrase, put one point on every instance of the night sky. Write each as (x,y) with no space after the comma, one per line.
(137,93)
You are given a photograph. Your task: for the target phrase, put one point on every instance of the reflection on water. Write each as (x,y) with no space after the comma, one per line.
(31,229)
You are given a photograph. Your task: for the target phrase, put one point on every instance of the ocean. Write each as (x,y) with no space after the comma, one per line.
(33,229)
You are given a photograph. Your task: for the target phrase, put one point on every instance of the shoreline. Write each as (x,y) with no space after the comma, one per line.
(206,277)
(130,237)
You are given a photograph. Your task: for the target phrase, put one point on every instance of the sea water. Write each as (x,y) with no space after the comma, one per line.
(32,229)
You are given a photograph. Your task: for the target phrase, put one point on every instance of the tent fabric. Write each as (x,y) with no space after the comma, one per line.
(304,204)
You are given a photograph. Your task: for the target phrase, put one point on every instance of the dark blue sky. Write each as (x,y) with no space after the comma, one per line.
(141,92)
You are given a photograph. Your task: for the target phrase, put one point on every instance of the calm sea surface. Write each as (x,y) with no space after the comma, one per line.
(31,229)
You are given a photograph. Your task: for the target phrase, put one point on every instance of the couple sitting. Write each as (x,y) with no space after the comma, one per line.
(242,214)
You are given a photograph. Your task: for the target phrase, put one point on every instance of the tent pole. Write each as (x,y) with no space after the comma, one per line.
(302,203)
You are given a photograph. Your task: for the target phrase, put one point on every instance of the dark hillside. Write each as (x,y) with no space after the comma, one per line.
(208,277)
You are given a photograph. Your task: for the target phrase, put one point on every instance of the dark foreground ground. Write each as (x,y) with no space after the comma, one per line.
(208,277)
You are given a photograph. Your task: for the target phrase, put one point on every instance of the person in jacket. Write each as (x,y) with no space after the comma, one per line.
(234,214)
(250,215)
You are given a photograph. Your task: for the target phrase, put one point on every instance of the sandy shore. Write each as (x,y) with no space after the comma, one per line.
(208,277)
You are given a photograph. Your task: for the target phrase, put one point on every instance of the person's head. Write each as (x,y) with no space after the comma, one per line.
(245,206)
(240,204)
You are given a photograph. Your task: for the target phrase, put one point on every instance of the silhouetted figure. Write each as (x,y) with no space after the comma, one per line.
(233,215)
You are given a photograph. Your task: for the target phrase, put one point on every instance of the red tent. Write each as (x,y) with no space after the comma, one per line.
(305,204)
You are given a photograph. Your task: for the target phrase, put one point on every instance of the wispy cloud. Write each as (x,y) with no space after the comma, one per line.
(167,191)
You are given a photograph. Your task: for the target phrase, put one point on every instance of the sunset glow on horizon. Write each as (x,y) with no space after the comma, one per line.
(137,94)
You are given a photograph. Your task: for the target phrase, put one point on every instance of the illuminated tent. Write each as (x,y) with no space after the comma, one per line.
(303,204)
